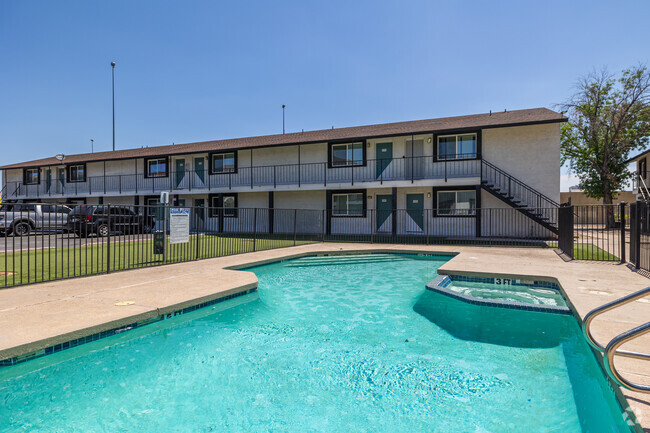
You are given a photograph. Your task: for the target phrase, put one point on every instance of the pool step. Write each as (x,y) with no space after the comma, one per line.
(344,260)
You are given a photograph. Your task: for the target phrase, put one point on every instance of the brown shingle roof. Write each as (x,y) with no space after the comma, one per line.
(475,121)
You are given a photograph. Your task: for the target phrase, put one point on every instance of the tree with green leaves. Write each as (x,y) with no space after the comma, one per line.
(608,118)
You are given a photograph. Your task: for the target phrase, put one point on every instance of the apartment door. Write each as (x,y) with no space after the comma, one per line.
(48,180)
(180,172)
(415,211)
(199,168)
(415,161)
(384,213)
(384,156)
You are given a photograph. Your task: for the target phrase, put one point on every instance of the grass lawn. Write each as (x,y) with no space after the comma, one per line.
(592,252)
(24,267)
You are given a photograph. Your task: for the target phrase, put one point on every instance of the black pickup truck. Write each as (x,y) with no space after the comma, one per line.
(102,220)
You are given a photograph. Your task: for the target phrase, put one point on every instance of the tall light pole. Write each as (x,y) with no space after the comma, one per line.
(92,146)
(283,106)
(113,81)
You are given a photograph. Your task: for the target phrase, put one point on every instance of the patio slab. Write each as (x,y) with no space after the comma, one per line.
(51,313)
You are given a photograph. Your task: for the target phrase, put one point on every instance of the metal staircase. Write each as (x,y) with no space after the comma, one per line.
(643,188)
(611,350)
(520,196)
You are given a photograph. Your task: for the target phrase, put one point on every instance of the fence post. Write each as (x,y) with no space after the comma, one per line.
(255,229)
(622,218)
(635,234)
(323,227)
(295,214)
(565,230)
(196,217)
(108,243)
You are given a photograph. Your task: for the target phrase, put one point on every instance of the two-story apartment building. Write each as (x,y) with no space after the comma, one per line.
(450,166)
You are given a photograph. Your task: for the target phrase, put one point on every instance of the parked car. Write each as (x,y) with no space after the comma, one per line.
(87,220)
(23,218)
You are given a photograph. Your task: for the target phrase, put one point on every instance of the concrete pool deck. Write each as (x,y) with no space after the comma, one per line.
(41,315)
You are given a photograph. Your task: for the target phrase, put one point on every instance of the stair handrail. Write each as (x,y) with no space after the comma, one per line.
(511,178)
(589,318)
(612,350)
(644,188)
(17,188)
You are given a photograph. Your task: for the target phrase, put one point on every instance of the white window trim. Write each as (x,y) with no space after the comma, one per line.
(455,212)
(229,212)
(347,214)
(38,176)
(70,179)
(157,160)
(456,154)
(223,156)
(348,163)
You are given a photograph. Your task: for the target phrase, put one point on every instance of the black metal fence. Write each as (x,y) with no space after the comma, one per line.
(45,242)
(640,235)
(595,232)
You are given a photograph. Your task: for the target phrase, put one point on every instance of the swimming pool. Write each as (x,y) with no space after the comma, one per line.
(328,344)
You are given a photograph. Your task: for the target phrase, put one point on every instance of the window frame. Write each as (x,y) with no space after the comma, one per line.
(152,210)
(225,152)
(364,202)
(436,201)
(147,173)
(69,173)
(330,150)
(643,168)
(215,205)
(38,176)
(436,147)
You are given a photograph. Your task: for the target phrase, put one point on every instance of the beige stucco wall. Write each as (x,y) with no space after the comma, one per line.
(579,198)
(529,153)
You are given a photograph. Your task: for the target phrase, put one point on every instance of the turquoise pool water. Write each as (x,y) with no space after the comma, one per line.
(510,293)
(327,345)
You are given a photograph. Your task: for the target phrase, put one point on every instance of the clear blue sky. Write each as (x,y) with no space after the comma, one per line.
(193,70)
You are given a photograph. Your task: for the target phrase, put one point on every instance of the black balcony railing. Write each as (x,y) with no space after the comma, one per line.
(272,176)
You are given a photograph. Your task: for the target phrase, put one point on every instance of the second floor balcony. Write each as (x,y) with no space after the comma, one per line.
(371,173)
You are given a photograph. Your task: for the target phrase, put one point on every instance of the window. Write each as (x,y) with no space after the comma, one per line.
(348,204)
(226,202)
(229,205)
(643,168)
(214,205)
(457,146)
(457,202)
(156,167)
(77,173)
(153,208)
(347,154)
(224,163)
(32,176)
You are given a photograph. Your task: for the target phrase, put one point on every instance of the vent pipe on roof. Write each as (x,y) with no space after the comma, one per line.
(283,107)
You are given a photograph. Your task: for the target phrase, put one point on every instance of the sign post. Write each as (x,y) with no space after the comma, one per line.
(160,236)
